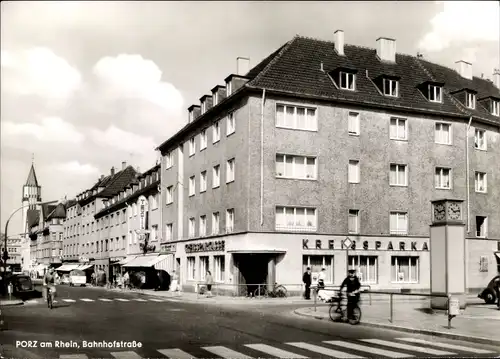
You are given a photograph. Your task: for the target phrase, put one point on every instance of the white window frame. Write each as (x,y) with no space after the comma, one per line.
(192,227)
(192,146)
(215,223)
(296,161)
(169,160)
(355,263)
(440,176)
(229,220)
(203,181)
(169,195)
(169,232)
(439,133)
(470,100)
(216,176)
(353,123)
(219,268)
(203,139)
(230,170)
(229,88)
(387,88)
(398,167)
(216,132)
(331,257)
(353,171)
(436,92)
(396,135)
(394,269)
(478,178)
(397,231)
(347,76)
(305,228)
(191,268)
(307,119)
(230,124)
(192,186)
(204,106)
(203,226)
(204,263)
(353,213)
(495,108)
(215,98)
(480,142)
(484,232)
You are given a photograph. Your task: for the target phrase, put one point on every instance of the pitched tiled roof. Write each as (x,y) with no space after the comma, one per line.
(32,181)
(58,212)
(47,209)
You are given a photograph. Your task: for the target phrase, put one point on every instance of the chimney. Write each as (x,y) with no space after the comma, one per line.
(124,165)
(386,49)
(112,171)
(464,69)
(242,65)
(496,77)
(339,42)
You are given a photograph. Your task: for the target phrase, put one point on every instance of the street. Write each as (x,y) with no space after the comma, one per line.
(166,328)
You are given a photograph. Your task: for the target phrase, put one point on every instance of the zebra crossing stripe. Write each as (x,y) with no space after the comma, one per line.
(105,300)
(140,300)
(324,351)
(407,347)
(86,300)
(126,355)
(446,346)
(274,352)
(371,350)
(156,300)
(175,353)
(73,356)
(122,300)
(226,353)
(69,300)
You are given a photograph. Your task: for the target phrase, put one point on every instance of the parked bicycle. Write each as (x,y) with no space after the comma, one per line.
(50,298)
(338,311)
(278,291)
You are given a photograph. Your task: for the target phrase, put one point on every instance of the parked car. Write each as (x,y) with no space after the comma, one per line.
(22,286)
(77,277)
(489,294)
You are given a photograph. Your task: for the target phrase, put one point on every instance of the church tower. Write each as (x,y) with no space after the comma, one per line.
(32,193)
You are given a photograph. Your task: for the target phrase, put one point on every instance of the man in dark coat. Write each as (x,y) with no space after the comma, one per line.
(306,278)
(353,286)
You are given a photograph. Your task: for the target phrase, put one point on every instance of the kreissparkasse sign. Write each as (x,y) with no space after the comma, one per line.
(211,246)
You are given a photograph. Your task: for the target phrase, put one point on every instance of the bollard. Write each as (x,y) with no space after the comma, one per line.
(10,289)
(391,296)
(315,295)
(453,309)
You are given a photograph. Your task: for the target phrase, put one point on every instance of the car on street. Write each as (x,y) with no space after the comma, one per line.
(77,277)
(489,294)
(23,288)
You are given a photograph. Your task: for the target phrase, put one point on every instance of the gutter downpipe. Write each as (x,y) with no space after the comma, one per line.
(262,158)
(467,174)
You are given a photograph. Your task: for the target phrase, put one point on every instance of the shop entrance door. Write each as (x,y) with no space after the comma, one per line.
(253,269)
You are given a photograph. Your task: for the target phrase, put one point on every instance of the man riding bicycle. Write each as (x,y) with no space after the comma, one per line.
(352,285)
(49,283)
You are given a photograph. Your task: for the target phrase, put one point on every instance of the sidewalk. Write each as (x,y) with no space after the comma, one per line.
(6,301)
(479,323)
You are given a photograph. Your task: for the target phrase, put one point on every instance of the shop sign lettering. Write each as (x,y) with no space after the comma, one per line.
(376,245)
(211,246)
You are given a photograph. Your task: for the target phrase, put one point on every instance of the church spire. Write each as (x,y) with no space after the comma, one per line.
(32,181)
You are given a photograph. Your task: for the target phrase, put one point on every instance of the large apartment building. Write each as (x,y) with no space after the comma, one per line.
(323,141)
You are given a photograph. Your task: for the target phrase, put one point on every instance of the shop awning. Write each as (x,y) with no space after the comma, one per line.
(126,260)
(67,267)
(146,261)
(257,251)
(84,266)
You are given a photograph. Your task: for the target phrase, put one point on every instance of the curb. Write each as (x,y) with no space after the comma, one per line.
(11,303)
(464,337)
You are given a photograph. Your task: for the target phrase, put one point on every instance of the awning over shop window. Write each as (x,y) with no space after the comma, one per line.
(126,260)
(257,251)
(146,261)
(84,266)
(67,267)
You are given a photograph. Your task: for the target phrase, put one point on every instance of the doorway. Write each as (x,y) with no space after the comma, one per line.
(253,269)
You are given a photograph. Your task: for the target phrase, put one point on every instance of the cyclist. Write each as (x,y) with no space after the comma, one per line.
(49,282)
(352,285)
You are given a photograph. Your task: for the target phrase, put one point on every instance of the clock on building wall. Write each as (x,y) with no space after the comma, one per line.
(439,212)
(454,211)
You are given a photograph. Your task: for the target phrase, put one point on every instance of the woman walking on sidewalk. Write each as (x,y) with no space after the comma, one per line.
(209,281)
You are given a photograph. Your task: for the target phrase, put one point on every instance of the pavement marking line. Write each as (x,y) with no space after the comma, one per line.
(371,350)
(73,356)
(140,300)
(274,352)
(446,345)
(226,353)
(69,300)
(122,300)
(105,300)
(407,347)
(324,351)
(86,300)
(175,354)
(126,355)
(156,300)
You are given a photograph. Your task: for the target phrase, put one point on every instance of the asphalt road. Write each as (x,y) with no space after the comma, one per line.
(166,329)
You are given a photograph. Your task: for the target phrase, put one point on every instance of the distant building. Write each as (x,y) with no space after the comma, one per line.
(322,141)
(14,246)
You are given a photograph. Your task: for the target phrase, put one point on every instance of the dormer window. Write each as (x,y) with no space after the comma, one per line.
(216,98)
(191,117)
(203,107)
(347,80)
(229,88)
(435,93)
(495,107)
(390,87)
(470,100)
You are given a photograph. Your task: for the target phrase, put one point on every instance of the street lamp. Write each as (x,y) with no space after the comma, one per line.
(5,253)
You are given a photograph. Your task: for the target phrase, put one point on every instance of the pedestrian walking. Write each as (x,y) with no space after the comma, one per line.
(306,278)
(209,281)
(321,279)
(126,280)
(174,285)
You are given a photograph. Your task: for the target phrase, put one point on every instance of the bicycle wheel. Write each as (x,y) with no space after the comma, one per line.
(356,313)
(280,292)
(334,312)
(49,300)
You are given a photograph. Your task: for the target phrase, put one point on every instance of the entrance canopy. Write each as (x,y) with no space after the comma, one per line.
(84,266)
(257,251)
(145,261)
(67,267)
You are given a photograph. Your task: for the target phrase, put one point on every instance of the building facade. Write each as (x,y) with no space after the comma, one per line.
(14,249)
(323,142)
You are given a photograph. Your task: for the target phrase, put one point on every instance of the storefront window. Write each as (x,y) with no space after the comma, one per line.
(366,268)
(219,268)
(203,267)
(317,262)
(191,269)
(405,269)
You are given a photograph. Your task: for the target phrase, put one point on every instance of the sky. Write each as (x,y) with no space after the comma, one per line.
(88,85)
